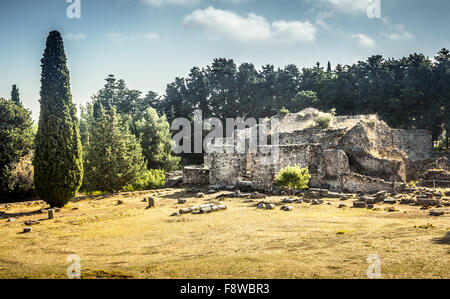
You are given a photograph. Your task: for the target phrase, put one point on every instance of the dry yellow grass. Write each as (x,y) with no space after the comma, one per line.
(129,241)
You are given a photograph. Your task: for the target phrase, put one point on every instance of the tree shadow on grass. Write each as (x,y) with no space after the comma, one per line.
(444,240)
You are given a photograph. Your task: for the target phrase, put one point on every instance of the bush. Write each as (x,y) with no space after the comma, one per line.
(293,177)
(151,179)
(323,120)
(284,112)
(17,180)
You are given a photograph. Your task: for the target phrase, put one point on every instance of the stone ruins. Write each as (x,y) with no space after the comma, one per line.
(355,153)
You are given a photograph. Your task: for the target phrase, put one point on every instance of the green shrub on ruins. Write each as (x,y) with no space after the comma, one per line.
(323,120)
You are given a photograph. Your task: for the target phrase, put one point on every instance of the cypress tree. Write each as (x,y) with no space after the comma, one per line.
(58,165)
(15,97)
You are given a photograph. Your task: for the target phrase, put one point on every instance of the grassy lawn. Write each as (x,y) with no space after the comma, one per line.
(130,241)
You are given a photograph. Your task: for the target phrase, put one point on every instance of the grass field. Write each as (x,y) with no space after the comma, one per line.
(130,241)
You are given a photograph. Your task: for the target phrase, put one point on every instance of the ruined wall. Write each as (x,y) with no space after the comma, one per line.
(225,168)
(328,138)
(195,175)
(417,144)
(303,155)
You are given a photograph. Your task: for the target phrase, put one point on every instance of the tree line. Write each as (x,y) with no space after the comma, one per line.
(410,93)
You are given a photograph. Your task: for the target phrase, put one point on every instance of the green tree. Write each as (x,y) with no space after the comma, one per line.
(16,143)
(113,158)
(58,165)
(293,177)
(15,97)
(156,141)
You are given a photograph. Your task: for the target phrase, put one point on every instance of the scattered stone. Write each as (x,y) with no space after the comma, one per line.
(12,220)
(270,206)
(200,195)
(380,196)
(390,201)
(324,192)
(182,201)
(360,204)
(408,201)
(185,211)
(306,200)
(214,187)
(368,199)
(57,210)
(151,202)
(313,194)
(316,202)
(212,191)
(144,200)
(425,208)
(27,230)
(175,214)
(261,205)
(51,214)
(286,208)
(288,200)
(334,195)
(299,200)
(370,206)
(391,210)
(341,206)
(426,201)
(120,202)
(257,195)
(436,213)
(245,185)
(32,222)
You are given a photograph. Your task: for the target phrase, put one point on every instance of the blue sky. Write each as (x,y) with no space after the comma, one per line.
(150,42)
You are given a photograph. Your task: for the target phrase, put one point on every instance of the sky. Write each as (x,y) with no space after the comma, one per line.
(150,42)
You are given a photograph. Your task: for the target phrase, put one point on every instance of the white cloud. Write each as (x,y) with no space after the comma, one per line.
(249,28)
(349,6)
(401,36)
(159,3)
(75,36)
(170,2)
(119,37)
(364,40)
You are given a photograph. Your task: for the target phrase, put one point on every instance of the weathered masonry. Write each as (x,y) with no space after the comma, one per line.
(356,153)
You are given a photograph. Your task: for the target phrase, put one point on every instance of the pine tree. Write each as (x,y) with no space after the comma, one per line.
(15,97)
(113,157)
(156,137)
(58,155)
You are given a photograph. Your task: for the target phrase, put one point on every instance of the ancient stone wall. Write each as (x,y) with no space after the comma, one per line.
(417,144)
(195,175)
(303,155)
(225,169)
